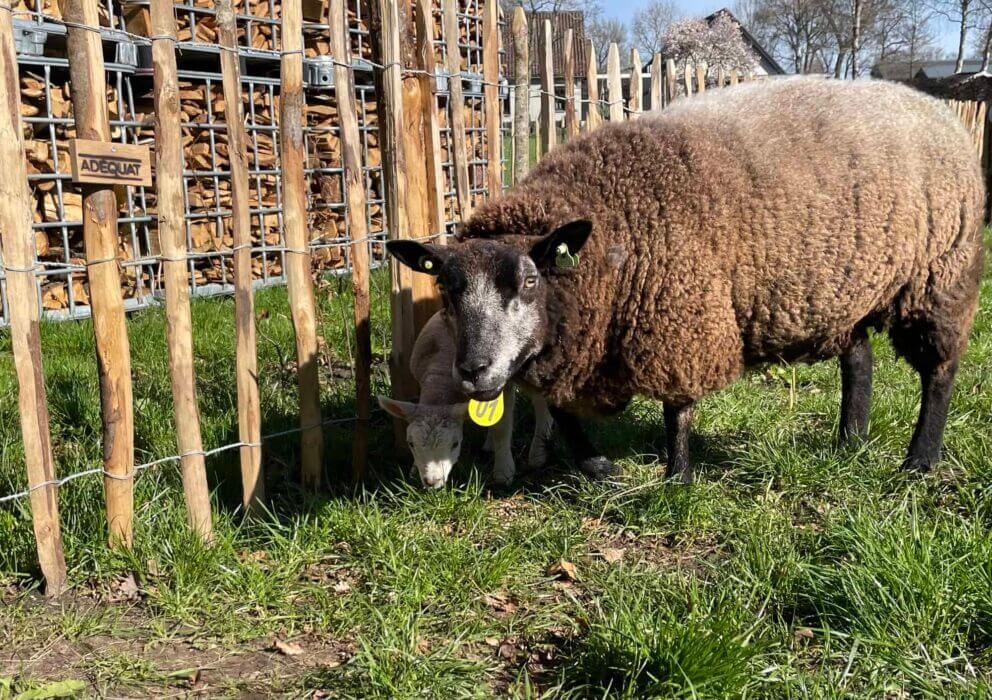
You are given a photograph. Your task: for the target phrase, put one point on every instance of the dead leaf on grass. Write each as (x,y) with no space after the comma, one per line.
(563,570)
(500,603)
(341,587)
(612,555)
(287,648)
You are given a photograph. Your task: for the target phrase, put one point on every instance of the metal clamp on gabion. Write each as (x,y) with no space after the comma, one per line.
(318,72)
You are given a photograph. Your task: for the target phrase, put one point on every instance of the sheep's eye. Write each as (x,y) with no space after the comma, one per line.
(530,281)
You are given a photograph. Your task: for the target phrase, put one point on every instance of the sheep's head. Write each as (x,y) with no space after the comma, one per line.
(495,300)
(434,434)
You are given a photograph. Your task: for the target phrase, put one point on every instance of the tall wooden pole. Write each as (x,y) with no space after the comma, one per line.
(249,410)
(299,279)
(594,118)
(671,81)
(657,84)
(571,120)
(634,87)
(456,108)
(172,243)
(423,165)
(89,105)
(22,314)
(424,62)
(521,86)
(384,27)
(549,135)
(700,78)
(354,184)
(614,88)
(493,113)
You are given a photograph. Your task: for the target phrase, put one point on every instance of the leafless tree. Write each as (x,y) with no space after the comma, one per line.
(961,13)
(604,32)
(588,6)
(796,30)
(649,23)
(916,29)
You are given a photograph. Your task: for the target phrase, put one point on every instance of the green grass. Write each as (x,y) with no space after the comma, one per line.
(791,569)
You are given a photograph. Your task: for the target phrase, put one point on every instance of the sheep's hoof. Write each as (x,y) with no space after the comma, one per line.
(599,467)
(503,473)
(537,459)
(919,465)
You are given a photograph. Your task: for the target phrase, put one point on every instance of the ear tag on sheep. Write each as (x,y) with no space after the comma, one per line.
(426,264)
(486,413)
(564,257)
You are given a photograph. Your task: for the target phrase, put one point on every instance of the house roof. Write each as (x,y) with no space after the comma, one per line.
(560,23)
(749,38)
(772,65)
(922,70)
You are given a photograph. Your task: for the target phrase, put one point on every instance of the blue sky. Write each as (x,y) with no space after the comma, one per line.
(624,9)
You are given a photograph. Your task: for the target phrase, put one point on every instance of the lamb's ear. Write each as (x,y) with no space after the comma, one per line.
(458,410)
(572,235)
(418,257)
(397,409)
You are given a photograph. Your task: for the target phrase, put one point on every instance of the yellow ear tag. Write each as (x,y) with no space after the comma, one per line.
(486,413)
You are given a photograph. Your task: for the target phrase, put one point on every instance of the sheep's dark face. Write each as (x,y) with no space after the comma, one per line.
(495,300)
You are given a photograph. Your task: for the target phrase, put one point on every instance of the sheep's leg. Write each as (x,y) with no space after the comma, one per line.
(588,458)
(678,424)
(855,379)
(502,443)
(937,384)
(537,457)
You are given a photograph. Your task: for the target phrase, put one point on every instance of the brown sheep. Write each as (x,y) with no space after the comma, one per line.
(772,221)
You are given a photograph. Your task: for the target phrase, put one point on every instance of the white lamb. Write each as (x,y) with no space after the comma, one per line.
(434,425)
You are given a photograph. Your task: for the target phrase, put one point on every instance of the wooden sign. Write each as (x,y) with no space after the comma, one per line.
(102,163)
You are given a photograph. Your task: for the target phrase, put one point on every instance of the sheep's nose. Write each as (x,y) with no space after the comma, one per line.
(471,370)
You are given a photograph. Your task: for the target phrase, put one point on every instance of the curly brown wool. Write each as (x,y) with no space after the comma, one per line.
(776,220)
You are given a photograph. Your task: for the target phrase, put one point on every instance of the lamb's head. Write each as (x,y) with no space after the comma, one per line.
(434,434)
(495,300)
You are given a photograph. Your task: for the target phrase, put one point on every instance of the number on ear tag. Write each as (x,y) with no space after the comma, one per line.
(565,258)
(486,413)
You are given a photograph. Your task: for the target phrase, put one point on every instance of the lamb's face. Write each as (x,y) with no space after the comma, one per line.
(495,300)
(434,434)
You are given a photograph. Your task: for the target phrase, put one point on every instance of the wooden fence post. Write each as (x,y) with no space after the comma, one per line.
(549,133)
(657,84)
(594,119)
(700,78)
(671,81)
(425,63)
(734,77)
(571,120)
(521,85)
(634,86)
(22,315)
(494,115)
(354,184)
(720,77)
(384,27)
(89,105)
(456,109)
(614,87)
(300,282)
(688,79)
(249,410)
(172,242)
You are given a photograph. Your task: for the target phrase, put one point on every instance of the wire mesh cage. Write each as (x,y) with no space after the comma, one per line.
(57,215)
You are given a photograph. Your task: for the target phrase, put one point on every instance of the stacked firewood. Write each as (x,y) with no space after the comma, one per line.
(196,21)
(328,224)
(57,201)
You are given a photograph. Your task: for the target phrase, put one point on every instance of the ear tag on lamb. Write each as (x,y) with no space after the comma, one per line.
(486,413)
(564,258)
(426,264)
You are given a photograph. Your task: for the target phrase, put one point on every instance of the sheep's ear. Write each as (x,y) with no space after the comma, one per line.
(458,410)
(567,239)
(397,409)
(418,257)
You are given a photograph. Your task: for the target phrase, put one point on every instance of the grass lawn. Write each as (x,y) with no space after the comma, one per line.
(792,568)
